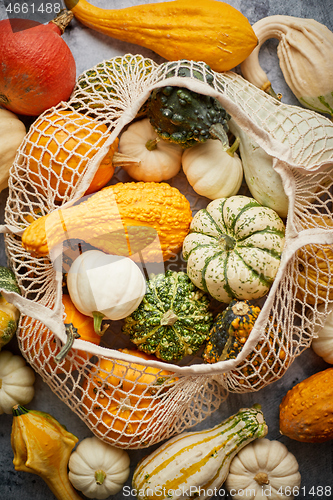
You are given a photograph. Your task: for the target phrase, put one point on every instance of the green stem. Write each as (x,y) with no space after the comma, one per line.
(271,92)
(100,476)
(98,318)
(233,148)
(169,318)
(228,242)
(19,410)
(72,334)
(152,144)
(217,132)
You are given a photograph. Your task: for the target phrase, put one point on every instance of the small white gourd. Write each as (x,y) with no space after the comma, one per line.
(213,170)
(305,52)
(98,469)
(158,160)
(16,381)
(105,286)
(323,343)
(263,469)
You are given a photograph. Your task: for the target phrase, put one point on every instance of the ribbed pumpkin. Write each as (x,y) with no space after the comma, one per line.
(60,144)
(231,329)
(234,248)
(124,219)
(47,347)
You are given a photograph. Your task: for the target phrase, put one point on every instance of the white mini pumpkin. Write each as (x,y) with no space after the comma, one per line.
(263,469)
(212,170)
(12,132)
(159,160)
(16,381)
(98,469)
(105,286)
(323,343)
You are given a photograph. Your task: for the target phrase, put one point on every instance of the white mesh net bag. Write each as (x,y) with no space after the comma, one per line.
(136,402)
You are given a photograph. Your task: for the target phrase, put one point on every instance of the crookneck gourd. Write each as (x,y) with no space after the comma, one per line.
(234,248)
(124,219)
(173,319)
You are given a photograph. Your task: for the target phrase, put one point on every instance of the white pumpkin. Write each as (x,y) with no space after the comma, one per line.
(323,343)
(212,170)
(263,469)
(105,286)
(16,381)
(159,160)
(12,132)
(98,469)
(234,247)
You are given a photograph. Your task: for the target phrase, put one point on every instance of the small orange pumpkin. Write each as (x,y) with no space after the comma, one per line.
(60,145)
(122,410)
(43,346)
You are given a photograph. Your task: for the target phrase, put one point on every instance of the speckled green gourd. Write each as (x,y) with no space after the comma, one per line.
(230,331)
(185,117)
(173,319)
(9,314)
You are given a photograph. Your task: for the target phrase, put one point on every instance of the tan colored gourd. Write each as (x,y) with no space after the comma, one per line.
(122,219)
(305,53)
(210,31)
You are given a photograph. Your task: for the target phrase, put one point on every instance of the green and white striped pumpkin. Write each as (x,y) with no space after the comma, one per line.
(195,464)
(234,248)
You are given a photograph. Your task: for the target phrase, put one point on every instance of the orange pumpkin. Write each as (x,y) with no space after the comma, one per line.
(132,377)
(118,399)
(60,145)
(43,346)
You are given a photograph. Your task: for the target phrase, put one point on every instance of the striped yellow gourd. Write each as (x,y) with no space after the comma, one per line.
(196,464)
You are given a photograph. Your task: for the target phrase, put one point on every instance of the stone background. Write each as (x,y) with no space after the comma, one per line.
(315,460)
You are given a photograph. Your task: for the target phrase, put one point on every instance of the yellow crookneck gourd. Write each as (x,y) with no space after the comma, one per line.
(210,31)
(42,446)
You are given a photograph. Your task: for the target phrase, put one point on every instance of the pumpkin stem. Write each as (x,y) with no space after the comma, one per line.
(19,410)
(151,144)
(63,19)
(168,318)
(217,132)
(240,308)
(98,318)
(100,476)
(227,242)
(261,478)
(72,334)
(271,92)
(233,148)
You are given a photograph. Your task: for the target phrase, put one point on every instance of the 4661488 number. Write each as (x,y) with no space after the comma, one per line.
(32,8)
(314,491)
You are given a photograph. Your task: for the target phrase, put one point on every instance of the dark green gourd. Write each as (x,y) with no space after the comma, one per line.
(185,117)
(173,319)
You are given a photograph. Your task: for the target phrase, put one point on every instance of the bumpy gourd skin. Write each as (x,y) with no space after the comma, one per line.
(185,117)
(230,331)
(173,319)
